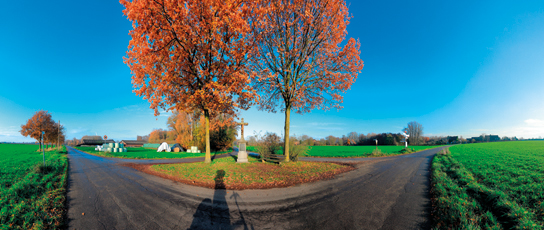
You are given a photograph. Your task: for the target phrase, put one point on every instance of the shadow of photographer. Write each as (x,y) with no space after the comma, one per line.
(216,214)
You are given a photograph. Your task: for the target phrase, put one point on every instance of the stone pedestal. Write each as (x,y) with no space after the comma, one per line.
(242,154)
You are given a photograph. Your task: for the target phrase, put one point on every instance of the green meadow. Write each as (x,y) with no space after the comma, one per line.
(489,186)
(359,151)
(354,151)
(32,196)
(147,153)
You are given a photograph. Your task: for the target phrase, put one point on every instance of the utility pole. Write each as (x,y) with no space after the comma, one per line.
(43,150)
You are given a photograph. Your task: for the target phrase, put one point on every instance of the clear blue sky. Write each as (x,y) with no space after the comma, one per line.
(458,68)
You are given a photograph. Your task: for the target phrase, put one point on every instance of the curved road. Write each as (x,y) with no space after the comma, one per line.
(382,193)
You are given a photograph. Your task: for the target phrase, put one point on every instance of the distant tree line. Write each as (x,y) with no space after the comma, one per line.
(413,129)
(489,138)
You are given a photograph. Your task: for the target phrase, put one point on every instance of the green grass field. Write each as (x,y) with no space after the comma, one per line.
(354,151)
(489,186)
(146,153)
(31,197)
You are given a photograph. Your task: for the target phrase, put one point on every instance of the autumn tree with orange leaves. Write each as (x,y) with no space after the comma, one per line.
(181,124)
(55,135)
(41,121)
(191,55)
(301,65)
(189,130)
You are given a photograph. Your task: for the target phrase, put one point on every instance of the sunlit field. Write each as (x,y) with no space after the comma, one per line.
(359,151)
(31,196)
(489,185)
(147,153)
(354,151)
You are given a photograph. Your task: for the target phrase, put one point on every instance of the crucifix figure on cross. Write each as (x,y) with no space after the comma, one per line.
(242,124)
(242,154)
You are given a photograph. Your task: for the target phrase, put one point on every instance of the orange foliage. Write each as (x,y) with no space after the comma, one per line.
(41,121)
(182,125)
(191,55)
(54,135)
(305,34)
(188,129)
(301,65)
(159,136)
(217,124)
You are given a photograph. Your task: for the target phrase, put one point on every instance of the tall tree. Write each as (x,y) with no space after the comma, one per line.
(192,55)
(224,132)
(300,63)
(40,121)
(181,124)
(354,137)
(56,133)
(160,135)
(415,130)
(142,138)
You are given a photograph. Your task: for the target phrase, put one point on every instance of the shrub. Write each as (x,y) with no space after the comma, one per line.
(297,150)
(376,153)
(407,150)
(445,151)
(267,145)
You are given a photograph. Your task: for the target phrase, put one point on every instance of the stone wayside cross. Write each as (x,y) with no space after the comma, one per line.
(242,154)
(242,124)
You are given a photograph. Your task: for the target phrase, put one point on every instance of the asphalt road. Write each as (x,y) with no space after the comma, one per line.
(382,193)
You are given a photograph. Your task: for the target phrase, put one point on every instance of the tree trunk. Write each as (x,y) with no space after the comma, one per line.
(208,158)
(286,142)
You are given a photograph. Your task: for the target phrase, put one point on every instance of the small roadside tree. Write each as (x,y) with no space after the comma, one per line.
(55,134)
(41,121)
(192,55)
(300,63)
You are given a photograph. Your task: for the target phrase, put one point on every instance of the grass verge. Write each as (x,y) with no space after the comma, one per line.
(146,153)
(226,173)
(489,186)
(32,196)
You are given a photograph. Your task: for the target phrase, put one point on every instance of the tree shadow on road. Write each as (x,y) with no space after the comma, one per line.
(216,214)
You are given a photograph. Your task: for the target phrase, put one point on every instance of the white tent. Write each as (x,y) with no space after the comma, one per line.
(164,147)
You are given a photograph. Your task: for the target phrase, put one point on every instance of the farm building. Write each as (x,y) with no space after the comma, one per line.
(91,142)
(133,143)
